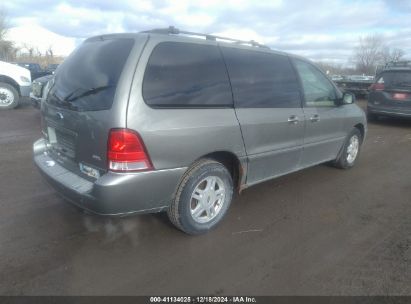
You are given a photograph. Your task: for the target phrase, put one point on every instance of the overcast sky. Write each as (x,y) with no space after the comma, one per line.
(320,30)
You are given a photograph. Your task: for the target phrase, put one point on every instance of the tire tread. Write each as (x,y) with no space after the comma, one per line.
(172,211)
(340,162)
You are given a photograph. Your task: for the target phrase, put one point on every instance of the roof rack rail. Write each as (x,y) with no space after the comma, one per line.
(398,64)
(171,30)
(393,65)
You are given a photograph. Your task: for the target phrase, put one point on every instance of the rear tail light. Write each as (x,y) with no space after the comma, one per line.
(377,87)
(126,152)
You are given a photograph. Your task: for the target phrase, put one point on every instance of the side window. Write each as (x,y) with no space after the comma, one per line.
(261,80)
(186,75)
(318,90)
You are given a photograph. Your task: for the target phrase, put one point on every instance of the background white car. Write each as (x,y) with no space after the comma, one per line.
(15,83)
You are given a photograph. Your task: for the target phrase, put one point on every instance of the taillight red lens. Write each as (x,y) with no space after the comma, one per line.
(400,96)
(126,151)
(377,87)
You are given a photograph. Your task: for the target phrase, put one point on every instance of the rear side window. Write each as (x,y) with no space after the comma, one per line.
(261,80)
(87,79)
(186,75)
(397,79)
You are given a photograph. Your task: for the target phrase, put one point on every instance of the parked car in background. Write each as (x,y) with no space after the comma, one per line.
(163,121)
(39,90)
(390,95)
(15,84)
(356,84)
(35,69)
(52,67)
(337,77)
(360,78)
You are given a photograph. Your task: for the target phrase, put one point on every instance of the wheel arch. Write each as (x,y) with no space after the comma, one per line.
(10,81)
(361,128)
(231,161)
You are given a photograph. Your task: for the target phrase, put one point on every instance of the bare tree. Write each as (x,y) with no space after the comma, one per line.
(7,50)
(37,52)
(367,54)
(330,68)
(30,49)
(397,54)
(335,68)
(372,52)
(26,52)
(49,51)
(388,55)
(385,55)
(3,25)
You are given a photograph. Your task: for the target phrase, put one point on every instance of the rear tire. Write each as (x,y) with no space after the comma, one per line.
(203,197)
(350,150)
(9,97)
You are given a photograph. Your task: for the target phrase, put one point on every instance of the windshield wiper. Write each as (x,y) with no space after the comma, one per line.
(71,97)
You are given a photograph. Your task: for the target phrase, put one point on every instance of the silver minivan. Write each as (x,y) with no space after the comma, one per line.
(166,120)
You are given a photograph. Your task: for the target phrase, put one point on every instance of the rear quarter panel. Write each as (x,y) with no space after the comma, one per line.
(92,128)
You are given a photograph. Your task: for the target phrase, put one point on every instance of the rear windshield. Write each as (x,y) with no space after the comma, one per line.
(398,79)
(87,79)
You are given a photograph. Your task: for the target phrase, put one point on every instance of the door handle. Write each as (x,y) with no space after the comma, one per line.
(315,118)
(293,119)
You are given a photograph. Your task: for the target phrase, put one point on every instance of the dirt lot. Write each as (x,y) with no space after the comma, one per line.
(319,231)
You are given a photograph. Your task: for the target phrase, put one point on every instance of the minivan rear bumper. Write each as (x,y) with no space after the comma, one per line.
(115,194)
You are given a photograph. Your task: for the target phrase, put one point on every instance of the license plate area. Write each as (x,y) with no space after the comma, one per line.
(400,96)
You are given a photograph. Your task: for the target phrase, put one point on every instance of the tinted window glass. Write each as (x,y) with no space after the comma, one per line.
(397,79)
(186,75)
(261,80)
(87,79)
(318,90)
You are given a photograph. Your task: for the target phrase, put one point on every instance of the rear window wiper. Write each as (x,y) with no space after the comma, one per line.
(71,97)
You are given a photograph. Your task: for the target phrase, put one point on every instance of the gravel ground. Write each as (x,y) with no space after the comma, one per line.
(321,231)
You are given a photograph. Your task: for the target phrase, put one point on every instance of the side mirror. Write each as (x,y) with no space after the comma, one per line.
(347,98)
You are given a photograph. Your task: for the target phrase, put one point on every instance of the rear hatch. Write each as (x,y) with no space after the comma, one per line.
(78,112)
(393,89)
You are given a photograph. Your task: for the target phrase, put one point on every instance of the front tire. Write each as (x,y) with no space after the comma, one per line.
(9,97)
(350,150)
(203,197)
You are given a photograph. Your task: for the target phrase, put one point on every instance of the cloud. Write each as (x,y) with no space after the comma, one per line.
(41,39)
(321,30)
